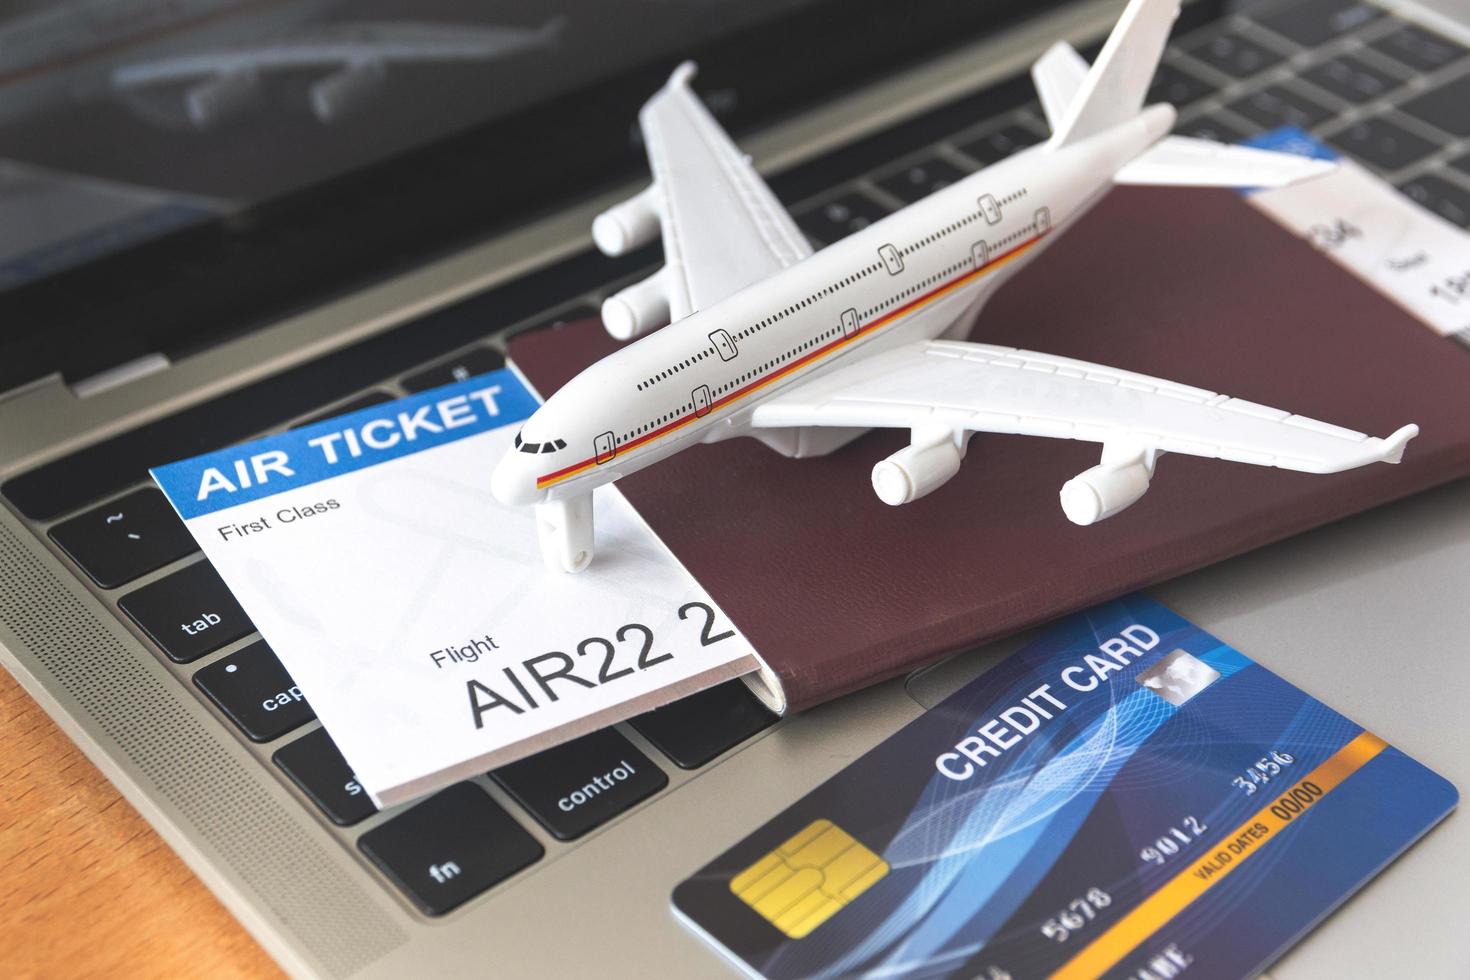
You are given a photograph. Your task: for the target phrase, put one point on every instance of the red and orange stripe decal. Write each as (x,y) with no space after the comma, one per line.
(776,374)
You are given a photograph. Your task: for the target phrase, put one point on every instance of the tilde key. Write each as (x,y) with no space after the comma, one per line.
(125,539)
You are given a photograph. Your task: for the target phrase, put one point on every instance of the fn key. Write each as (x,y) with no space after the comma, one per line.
(449,848)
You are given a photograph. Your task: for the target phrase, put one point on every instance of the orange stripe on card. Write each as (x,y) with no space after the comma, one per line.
(1257,832)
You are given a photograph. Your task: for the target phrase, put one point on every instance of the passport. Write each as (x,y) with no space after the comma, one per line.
(838,590)
(1127,796)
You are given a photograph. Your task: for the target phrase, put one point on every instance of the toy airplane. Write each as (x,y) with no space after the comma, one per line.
(805,352)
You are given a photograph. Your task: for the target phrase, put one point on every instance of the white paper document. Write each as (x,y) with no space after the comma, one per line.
(414,611)
(1409,254)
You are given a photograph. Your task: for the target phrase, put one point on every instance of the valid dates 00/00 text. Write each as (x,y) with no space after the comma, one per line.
(547,677)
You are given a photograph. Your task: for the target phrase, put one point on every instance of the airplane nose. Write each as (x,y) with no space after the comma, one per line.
(512,482)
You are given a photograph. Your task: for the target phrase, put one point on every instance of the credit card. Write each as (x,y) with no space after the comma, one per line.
(1127,796)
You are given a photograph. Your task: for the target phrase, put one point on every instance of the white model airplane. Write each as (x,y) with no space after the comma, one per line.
(807,351)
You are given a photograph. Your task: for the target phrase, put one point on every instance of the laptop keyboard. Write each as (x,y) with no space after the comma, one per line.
(1394,96)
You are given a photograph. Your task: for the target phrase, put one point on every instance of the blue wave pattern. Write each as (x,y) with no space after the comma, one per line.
(1022,820)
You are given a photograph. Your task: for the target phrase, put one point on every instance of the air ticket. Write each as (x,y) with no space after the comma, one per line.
(414,611)
(1128,797)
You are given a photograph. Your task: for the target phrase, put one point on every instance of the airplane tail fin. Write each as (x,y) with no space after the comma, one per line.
(1080,101)
(1114,89)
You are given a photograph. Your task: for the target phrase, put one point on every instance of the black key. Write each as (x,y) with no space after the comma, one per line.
(357,404)
(449,848)
(919,180)
(840,217)
(583,783)
(1211,128)
(844,163)
(125,539)
(315,765)
(1177,87)
(476,360)
(996,146)
(1234,55)
(1421,50)
(1280,106)
(1351,79)
(1313,22)
(189,613)
(252,687)
(1447,107)
(1449,201)
(1380,143)
(694,729)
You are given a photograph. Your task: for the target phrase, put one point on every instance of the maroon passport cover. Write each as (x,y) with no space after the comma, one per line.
(838,590)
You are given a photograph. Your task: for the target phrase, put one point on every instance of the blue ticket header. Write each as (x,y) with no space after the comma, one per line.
(343,444)
(1292,139)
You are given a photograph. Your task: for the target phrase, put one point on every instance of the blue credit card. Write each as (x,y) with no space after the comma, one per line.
(1127,797)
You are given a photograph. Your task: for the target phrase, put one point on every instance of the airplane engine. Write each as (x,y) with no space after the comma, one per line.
(635,311)
(915,471)
(624,227)
(1103,491)
(222,96)
(339,93)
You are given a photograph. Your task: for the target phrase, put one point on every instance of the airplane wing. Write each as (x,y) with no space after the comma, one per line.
(1185,161)
(950,386)
(722,227)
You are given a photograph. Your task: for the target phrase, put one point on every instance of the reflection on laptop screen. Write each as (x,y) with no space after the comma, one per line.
(122,121)
(177,172)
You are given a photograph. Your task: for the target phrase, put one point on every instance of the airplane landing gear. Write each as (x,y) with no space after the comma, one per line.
(565,530)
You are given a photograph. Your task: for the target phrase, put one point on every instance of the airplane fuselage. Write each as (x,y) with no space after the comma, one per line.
(917,274)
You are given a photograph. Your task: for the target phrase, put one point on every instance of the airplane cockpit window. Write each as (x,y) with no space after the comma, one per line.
(533,448)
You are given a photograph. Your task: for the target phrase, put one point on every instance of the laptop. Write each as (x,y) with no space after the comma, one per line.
(220,219)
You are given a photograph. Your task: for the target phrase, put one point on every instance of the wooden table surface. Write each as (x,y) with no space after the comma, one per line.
(87,888)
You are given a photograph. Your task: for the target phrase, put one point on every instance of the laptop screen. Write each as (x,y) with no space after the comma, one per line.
(173,172)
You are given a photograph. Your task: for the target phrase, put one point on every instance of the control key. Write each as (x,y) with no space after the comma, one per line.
(578,785)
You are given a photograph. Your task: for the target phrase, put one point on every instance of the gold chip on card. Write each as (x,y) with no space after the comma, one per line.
(808,879)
